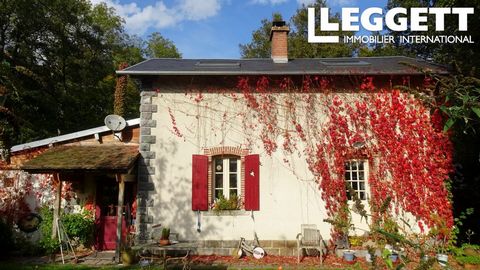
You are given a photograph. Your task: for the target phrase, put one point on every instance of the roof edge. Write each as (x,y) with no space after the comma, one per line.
(69,136)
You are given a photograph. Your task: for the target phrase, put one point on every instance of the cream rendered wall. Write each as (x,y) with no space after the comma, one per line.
(288,197)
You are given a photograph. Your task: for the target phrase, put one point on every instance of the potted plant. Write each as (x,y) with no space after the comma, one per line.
(441,233)
(349,255)
(165,237)
(342,224)
(128,255)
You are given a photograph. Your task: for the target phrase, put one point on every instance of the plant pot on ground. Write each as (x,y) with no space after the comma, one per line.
(349,255)
(128,257)
(442,259)
(165,237)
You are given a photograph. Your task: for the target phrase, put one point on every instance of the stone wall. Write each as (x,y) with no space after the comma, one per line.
(146,186)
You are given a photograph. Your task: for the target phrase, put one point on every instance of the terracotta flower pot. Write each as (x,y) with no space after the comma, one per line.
(164,242)
(471,266)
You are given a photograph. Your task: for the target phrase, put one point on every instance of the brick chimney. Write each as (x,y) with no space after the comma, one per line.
(279,39)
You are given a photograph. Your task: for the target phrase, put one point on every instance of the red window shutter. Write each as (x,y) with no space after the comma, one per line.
(199,183)
(252,183)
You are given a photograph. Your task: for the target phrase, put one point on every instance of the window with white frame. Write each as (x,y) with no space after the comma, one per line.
(227,177)
(356,176)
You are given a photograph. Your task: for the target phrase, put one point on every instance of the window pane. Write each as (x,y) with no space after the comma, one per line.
(218,193)
(219,165)
(353,165)
(233,180)
(355,186)
(218,180)
(362,186)
(361,175)
(354,176)
(233,165)
(362,195)
(360,165)
(233,192)
(347,176)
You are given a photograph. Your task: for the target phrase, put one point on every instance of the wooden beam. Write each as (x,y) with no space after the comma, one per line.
(121,191)
(57,204)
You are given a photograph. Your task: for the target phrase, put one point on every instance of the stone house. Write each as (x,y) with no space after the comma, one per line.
(212,131)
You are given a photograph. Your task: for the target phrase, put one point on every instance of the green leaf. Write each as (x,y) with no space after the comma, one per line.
(448,124)
(444,109)
(476,110)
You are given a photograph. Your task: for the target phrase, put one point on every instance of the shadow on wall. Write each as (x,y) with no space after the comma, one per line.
(169,201)
(174,209)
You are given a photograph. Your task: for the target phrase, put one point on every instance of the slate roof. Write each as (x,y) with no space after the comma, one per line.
(111,158)
(391,65)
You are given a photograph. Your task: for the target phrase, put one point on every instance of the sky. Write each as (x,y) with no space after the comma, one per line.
(210,28)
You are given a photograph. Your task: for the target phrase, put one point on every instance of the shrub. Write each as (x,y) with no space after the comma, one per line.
(46,243)
(468,260)
(80,226)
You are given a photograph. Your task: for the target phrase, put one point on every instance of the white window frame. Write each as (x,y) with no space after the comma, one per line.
(365,177)
(226,176)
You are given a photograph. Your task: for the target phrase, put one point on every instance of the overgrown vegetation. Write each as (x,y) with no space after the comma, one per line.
(78,226)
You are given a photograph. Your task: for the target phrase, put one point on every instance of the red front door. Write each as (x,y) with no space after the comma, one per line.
(106,213)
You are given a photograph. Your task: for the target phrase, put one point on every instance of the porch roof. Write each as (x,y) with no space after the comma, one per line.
(111,159)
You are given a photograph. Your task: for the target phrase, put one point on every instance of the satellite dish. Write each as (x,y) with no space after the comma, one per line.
(115,122)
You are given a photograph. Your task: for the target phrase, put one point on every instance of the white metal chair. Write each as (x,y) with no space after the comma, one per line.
(309,238)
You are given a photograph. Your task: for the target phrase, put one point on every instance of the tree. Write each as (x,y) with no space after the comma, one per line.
(299,47)
(464,54)
(57,66)
(260,45)
(160,47)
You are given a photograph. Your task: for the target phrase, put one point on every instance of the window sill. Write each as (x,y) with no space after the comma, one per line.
(240,212)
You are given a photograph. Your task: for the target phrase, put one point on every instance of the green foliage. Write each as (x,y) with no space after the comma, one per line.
(386,258)
(160,47)
(468,260)
(260,46)
(165,234)
(467,254)
(46,243)
(459,224)
(79,225)
(299,47)
(222,203)
(63,80)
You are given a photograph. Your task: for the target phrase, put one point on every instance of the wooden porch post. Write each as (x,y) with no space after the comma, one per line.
(57,204)
(121,189)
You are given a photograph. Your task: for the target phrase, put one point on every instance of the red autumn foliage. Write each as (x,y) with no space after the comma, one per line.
(409,157)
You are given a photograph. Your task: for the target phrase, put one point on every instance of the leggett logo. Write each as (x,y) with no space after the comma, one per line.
(373,19)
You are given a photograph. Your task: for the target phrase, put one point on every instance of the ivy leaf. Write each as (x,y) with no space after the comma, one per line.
(448,124)
(476,110)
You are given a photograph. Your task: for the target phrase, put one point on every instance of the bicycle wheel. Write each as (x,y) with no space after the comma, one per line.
(238,253)
(258,253)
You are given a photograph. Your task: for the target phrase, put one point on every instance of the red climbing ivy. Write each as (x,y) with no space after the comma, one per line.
(409,156)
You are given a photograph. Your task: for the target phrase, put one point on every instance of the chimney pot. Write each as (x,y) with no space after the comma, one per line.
(279,39)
